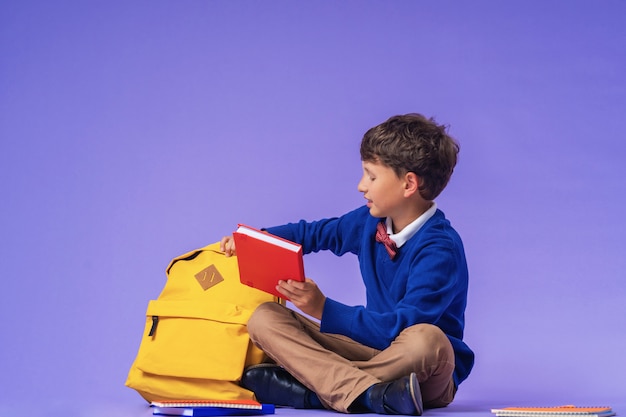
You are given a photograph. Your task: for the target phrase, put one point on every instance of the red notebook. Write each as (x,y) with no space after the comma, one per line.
(561,411)
(264,259)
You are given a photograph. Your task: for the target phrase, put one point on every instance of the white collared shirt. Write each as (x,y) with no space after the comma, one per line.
(407,233)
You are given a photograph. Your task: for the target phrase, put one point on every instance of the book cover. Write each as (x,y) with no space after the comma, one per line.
(565,410)
(264,259)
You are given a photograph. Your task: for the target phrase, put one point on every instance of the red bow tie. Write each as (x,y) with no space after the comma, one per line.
(383,237)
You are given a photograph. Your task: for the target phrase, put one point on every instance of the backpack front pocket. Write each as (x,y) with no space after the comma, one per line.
(194,340)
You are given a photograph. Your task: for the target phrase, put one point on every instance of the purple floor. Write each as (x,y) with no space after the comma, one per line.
(135,131)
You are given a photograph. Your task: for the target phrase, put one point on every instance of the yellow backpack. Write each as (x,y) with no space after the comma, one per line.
(195,344)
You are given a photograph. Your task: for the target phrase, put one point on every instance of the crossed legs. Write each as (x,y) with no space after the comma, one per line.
(339,370)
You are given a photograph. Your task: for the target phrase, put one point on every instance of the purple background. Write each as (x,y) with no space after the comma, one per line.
(135,131)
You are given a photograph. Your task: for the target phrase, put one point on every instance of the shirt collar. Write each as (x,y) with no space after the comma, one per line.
(407,233)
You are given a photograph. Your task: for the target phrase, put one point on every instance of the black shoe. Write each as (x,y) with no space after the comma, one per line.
(272,384)
(401,396)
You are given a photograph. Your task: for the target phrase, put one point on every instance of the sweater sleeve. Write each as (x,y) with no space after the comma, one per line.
(431,289)
(340,235)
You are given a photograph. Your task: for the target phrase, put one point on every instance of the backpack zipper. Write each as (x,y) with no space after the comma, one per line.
(155,321)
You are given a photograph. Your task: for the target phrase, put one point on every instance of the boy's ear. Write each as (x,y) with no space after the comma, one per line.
(411,183)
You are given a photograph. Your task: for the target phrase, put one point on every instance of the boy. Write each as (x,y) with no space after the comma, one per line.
(403,351)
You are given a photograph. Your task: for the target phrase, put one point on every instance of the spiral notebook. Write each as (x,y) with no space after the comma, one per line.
(559,411)
(211,408)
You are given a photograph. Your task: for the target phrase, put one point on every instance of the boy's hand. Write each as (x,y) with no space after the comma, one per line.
(227,245)
(304,295)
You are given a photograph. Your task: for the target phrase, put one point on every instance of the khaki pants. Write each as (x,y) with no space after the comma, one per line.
(339,369)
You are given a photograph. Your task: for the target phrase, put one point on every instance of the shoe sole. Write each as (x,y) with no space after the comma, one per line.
(416,394)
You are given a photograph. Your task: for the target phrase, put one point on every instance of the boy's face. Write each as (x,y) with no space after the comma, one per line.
(383,189)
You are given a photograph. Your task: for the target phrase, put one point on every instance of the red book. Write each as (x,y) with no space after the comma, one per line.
(264,259)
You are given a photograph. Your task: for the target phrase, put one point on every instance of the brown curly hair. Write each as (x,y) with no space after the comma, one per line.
(413,143)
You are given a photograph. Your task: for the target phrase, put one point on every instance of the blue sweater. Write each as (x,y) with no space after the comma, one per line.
(425,283)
